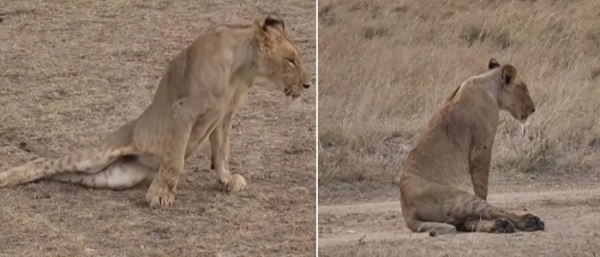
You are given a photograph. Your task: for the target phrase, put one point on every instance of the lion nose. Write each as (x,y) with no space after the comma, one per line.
(305,85)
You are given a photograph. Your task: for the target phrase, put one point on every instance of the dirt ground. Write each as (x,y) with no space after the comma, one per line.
(73,71)
(385,66)
(376,227)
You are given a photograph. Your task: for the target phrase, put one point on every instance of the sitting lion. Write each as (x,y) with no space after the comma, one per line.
(196,99)
(444,182)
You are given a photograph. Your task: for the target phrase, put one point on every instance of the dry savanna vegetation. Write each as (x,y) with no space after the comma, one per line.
(71,72)
(386,66)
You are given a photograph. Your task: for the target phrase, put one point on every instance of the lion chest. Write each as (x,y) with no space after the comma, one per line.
(235,98)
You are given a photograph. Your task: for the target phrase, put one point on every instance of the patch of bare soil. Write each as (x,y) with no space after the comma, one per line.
(377,229)
(71,72)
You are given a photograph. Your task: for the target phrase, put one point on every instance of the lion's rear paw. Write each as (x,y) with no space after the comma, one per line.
(533,223)
(236,183)
(503,226)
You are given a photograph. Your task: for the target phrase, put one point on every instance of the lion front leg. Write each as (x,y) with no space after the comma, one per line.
(219,145)
(161,193)
(479,169)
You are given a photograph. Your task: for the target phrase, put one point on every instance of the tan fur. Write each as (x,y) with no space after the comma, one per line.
(444,182)
(196,98)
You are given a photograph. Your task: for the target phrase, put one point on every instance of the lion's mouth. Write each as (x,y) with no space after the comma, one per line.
(523,118)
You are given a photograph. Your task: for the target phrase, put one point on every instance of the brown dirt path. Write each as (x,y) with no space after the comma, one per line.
(377,229)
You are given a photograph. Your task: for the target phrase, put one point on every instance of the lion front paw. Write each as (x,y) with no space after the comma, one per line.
(236,183)
(503,226)
(231,183)
(533,223)
(159,198)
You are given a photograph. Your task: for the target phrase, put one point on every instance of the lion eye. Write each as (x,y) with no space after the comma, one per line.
(291,62)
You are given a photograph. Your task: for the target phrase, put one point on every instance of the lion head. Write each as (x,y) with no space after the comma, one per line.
(514,96)
(280,60)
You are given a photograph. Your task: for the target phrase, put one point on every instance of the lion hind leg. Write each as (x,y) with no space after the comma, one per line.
(118,176)
(479,213)
(433,228)
(526,222)
(87,161)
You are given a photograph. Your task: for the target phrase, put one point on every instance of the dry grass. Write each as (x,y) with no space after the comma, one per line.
(385,67)
(73,71)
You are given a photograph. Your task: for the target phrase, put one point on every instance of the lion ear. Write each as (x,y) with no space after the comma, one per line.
(273,21)
(493,64)
(509,73)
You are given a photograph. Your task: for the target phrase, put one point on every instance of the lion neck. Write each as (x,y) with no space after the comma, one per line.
(479,97)
(485,88)
(246,52)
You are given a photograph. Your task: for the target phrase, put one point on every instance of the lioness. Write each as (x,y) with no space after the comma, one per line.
(196,98)
(444,182)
